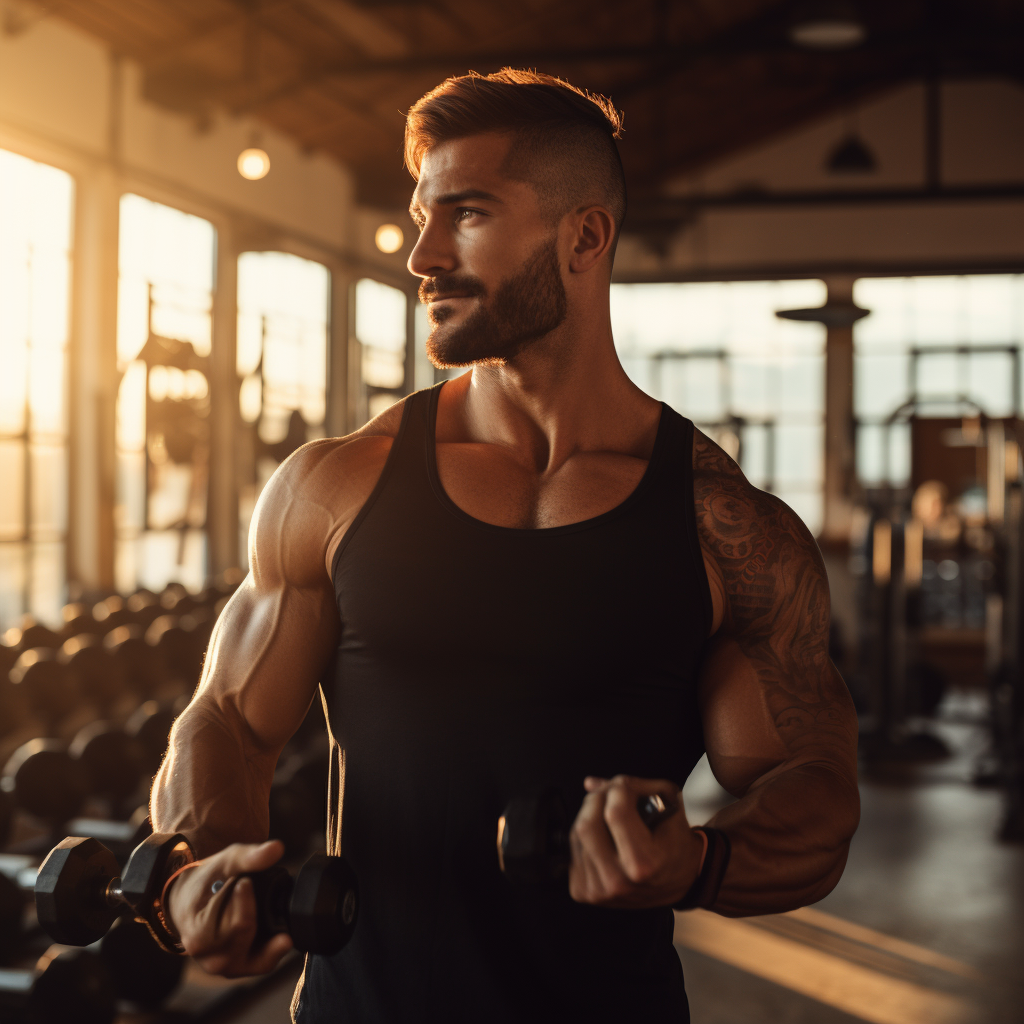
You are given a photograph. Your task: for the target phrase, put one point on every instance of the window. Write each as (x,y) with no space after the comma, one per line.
(719,355)
(164,336)
(950,341)
(35,241)
(381,331)
(283,303)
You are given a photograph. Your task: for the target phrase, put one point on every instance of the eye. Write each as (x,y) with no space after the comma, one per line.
(464,212)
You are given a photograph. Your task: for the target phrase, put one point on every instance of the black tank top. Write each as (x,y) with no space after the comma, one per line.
(478,663)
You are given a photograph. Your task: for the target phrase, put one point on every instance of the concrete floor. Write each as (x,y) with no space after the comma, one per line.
(926,926)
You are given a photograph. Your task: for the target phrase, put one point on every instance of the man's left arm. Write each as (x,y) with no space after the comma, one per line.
(779,726)
(780,730)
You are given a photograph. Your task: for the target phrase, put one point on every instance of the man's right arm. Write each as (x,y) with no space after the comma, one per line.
(267,654)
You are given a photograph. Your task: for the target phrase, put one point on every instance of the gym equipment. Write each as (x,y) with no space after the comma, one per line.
(78,619)
(141,667)
(533,834)
(150,725)
(50,689)
(66,985)
(99,677)
(140,971)
(80,893)
(52,784)
(7,811)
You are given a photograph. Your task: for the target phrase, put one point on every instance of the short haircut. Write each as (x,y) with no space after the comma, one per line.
(563,138)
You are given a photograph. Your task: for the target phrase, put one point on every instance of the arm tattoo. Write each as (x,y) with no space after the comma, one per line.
(776,593)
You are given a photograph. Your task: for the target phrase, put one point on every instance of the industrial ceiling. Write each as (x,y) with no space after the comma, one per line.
(698,79)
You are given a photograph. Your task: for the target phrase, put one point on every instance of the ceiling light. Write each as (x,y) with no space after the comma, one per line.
(253,163)
(851,156)
(389,238)
(828,26)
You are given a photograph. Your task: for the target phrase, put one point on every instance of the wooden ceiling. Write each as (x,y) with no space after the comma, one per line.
(697,79)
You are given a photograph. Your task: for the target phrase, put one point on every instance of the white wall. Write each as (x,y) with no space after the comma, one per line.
(982,143)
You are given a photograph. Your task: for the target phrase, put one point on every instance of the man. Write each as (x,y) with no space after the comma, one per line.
(534,575)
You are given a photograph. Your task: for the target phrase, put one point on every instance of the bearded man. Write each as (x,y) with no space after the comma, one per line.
(534,575)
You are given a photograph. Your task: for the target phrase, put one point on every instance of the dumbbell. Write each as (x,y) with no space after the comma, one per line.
(141,972)
(150,725)
(52,784)
(80,893)
(47,689)
(533,834)
(32,633)
(66,985)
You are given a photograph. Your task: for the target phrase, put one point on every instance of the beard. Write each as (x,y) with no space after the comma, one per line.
(525,307)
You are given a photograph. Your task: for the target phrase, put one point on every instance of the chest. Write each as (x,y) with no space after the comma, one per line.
(488,483)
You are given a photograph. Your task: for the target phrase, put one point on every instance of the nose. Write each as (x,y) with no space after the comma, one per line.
(433,252)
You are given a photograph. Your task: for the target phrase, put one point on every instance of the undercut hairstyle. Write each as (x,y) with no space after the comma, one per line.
(563,138)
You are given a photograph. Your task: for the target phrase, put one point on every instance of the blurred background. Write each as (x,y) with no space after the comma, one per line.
(203,236)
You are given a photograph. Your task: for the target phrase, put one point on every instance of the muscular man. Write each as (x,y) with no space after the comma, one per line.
(532,575)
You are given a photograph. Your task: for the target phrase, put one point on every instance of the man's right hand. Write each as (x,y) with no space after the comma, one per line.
(217,923)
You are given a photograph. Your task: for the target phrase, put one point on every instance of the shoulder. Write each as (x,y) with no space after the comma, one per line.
(316,493)
(761,556)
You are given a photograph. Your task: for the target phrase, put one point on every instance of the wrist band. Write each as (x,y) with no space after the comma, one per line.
(704,890)
(169,938)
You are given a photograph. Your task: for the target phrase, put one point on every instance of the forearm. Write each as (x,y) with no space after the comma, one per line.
(214,783)
(789,835)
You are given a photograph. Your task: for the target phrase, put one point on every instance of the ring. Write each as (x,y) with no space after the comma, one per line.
(217,886)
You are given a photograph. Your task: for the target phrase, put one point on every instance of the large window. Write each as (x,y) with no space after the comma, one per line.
(35,239)
(718,354)
(948,343)
(164,336)
(381,332)
(283,304)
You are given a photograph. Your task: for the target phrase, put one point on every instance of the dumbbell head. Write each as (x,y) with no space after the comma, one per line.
(49,687)
(71,891)
(6,816)
(100,677)
(78,619)
(142,666)
(533,838)
(14,704)
(150,724)
(114,761)
(12,912)
(324,905)
(152,862)
(142,973)
(73,985)
(45,780)
(35,634)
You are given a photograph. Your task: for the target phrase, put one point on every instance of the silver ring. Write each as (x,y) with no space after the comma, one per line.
(217,886)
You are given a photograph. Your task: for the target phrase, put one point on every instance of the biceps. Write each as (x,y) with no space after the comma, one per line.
(757,718)
(268,652)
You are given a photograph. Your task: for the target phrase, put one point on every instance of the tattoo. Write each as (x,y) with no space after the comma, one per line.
(776,593)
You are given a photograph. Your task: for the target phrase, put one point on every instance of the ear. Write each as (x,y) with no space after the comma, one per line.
(594,229)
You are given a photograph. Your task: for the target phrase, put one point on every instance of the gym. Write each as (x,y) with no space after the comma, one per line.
(205,252)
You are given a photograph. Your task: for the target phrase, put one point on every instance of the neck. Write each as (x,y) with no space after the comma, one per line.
(565,393)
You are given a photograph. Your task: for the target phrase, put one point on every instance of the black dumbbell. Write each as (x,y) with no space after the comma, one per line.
(32,633)
(141,972)
(48,688)
(79,894)
(52,784)
(99,677)
(150,725)
(533,834)
(66,985)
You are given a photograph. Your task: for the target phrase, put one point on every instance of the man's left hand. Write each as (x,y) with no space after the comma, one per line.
(617,861)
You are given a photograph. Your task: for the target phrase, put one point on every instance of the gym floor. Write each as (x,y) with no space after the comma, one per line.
(926,926)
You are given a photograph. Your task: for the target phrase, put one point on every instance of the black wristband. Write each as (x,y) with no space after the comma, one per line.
(704,890)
